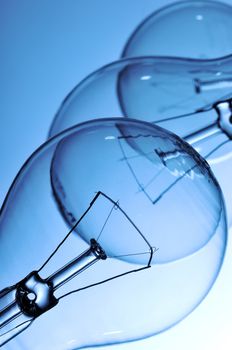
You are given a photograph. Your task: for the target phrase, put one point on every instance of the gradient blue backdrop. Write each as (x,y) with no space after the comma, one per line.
(47,46)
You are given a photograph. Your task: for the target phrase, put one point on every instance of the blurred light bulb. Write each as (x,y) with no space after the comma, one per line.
(178,94)
(121,188)
(197,29)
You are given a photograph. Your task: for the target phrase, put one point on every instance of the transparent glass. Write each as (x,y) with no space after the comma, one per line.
(178,94)
(197,29)
(112,231)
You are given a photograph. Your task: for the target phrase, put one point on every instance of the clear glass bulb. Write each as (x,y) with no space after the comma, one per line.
(197,29)
(178,94)
(112,231)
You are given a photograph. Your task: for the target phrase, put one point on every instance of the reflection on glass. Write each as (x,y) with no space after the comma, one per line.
(197,29)
(109,220)
(178,94)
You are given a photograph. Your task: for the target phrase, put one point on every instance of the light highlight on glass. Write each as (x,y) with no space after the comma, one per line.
(196,29)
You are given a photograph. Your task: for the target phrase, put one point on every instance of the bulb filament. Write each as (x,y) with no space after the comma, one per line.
(21,303)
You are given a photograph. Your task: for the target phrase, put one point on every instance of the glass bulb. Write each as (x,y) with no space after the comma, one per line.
(112,231)
(179,94)
(197,29)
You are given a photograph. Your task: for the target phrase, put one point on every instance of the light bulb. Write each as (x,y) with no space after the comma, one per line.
(178,94)
(197,29)
(140,204)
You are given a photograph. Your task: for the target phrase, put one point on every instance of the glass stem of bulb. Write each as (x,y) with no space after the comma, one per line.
(76,266)
(9,313)
(202,86)
(33,296)
(222,124)
(202,134)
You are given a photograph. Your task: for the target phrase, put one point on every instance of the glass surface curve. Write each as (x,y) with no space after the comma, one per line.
(167,192)
(159,90)
(196,29)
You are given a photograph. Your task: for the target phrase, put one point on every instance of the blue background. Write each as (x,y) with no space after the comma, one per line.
(48,46)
